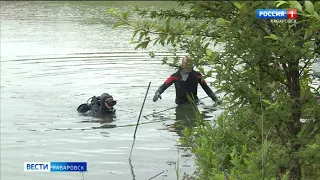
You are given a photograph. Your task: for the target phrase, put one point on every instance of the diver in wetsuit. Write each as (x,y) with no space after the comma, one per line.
(186,81)
(100,105)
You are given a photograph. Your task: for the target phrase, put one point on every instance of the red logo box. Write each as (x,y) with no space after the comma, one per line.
(291,14)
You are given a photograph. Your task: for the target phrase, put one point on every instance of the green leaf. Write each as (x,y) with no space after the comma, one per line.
(138,46)
(266,101)
(135,32)
(238,5)
(296,5)
(125,16)
(203,59)
(168,24)
(136,8)
(162,29)
(257,4)
(287,42)
(162,41)
(201,69)
(204,26)
(112,11)
(206,60)
(142,33)
(163,38)
(164,60)
(188,32)
(309,7)
(117,24)
(316,15)
(279,3)
(308,32)
(144,44)
(221,21)
(173,37)
(151,54)
(313,146)
(156,41)
(208,52)
(272,36)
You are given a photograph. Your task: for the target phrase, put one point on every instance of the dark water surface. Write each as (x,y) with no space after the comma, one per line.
(54,56)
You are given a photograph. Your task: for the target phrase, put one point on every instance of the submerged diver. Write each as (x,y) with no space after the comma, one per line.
(99,106)
(185,117)
(186,81)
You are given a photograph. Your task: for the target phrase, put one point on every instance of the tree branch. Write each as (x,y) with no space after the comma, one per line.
(165,33)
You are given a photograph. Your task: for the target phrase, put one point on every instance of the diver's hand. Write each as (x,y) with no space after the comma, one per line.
(215,99)
(217,102)
(156,96)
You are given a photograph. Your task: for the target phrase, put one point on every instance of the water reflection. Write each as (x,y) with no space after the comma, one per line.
(103,119)
(131,169)
(185,116)
(106,118)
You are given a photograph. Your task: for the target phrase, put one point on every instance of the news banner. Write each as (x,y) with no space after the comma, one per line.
(278,15)
(55,166)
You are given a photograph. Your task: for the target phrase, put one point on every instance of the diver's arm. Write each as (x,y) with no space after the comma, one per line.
(164,86)
(206,88)
(167,84)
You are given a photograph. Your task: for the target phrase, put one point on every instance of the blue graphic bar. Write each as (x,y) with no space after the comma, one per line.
(68,166)
(271,13)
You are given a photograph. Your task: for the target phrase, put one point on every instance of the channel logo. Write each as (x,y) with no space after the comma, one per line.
(55,166)
(276,13)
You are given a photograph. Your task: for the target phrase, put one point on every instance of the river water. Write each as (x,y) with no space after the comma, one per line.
(54,56)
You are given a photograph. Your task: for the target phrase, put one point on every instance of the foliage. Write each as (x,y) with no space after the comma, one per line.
(270,128)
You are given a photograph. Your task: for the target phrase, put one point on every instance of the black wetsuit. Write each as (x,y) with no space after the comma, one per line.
(97,104)
(189,86)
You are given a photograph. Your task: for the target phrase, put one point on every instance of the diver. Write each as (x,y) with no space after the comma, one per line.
(186,82)
(98,106)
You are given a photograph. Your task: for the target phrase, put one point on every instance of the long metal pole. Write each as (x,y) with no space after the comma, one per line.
(134,135)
